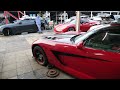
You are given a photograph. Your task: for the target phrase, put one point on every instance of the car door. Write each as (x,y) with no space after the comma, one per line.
(99,56)
(22,26)
(26,25)
(32,26)
(104,52)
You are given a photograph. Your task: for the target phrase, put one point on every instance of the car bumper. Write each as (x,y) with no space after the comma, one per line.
(59,31)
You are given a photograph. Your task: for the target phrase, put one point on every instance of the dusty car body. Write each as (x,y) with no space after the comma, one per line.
(19,26)
(92,55)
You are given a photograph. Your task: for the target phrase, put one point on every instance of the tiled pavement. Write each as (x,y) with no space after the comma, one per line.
(16,60)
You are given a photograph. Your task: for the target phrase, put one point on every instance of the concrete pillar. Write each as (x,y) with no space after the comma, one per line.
(77,21)
(110,12)
(118,13)
(91,14)
(24,13)
(102,12)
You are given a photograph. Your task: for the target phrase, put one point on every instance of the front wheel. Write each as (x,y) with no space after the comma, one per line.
(71,29)
(7,32)
(40,56)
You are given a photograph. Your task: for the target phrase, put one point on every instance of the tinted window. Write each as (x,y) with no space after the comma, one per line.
(83,20)
(108,40)
(25,21)
(28,21)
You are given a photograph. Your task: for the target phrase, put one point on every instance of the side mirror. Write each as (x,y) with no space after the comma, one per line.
(80,45)
(81,22)
(20,22)
(35,22)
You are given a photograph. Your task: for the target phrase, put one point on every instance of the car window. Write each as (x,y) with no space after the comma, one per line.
(91,32)
(28,21)
(32,20)
(25,21)
(73,21)
(82,20)
(17,21)
(108,40)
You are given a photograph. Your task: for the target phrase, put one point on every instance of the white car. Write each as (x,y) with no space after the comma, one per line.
(116,17)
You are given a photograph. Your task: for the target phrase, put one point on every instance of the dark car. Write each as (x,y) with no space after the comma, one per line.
(92,55)
(19,26)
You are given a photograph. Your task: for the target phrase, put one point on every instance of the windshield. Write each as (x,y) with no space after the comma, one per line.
(82,37)
(69,20)
(82,20)
(73,22)
(17,21)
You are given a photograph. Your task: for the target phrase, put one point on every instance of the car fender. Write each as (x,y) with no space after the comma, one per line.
(6,28)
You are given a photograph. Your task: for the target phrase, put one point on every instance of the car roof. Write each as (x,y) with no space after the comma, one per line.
(99,27)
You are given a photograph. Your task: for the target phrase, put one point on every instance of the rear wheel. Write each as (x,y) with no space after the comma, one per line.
(71,29)
(40,56)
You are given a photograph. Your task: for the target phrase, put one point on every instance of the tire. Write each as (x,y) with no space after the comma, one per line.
(7,32)
(42,28)
(71,29)
(40,56)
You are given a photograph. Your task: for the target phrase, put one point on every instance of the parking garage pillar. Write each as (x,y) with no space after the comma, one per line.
(24,13)
(118,13)
(91,14)
(77,21)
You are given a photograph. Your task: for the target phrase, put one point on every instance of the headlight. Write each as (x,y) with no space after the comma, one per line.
(61,28)
(1,29)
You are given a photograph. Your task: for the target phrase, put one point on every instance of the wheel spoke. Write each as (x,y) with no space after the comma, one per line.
(39,56)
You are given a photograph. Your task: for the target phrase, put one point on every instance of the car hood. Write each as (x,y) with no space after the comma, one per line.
(58,25)
(62,38)
(63,26)
(7,25)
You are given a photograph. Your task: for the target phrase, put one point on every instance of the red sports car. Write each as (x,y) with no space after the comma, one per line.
(79,32)
(92,55)
(85,24)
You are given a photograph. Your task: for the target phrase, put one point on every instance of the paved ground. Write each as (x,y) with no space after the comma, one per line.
(16,60)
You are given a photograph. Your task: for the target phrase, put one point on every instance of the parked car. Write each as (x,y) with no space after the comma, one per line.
(116,17)
(79,32)
(19,26)
(85,24)
(92,55)
(43,21)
